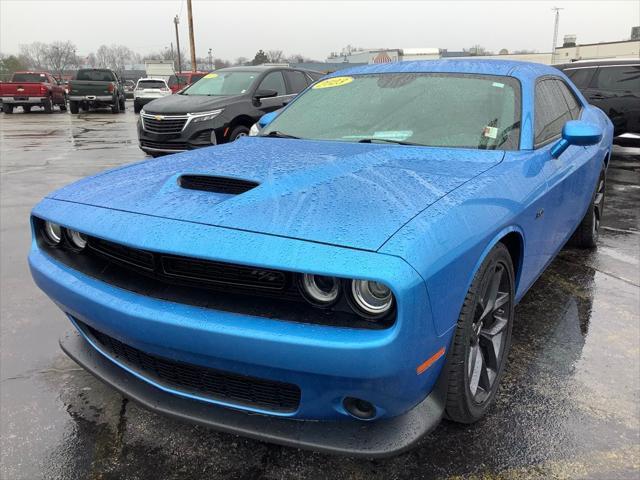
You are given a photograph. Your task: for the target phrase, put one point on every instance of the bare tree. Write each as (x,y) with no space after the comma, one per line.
(34,55)
(241,61)
(91,60)
(220,63)
(60,56)
(114,57)
(275,56)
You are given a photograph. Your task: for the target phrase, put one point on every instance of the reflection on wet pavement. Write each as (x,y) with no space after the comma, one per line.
(568,407)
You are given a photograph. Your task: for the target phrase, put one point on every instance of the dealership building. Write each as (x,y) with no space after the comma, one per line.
(570,51)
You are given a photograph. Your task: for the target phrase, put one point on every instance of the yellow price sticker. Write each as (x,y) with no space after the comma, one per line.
(333,82)
(211,75)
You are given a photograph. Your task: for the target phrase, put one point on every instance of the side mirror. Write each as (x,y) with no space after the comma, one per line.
(264,93)
(267,118)
(576,132)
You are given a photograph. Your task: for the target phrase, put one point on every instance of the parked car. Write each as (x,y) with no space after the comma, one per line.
(219,108)
(32,89)
(96,88)
(345,278)
(148,89)
(129,86)
(181,80)
(611,85)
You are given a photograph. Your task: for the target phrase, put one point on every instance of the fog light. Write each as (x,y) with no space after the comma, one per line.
(361,409)
(213,139)
(52,232)
(320,289)
(77,239)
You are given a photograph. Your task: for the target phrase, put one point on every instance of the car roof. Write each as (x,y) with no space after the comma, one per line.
(598,63)
(262,68)
(513,68)
(152,79)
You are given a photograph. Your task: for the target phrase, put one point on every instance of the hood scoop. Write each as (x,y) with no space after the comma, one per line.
(215,184)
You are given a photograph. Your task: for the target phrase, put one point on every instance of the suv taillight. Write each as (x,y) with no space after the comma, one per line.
(110,88)
(43,89)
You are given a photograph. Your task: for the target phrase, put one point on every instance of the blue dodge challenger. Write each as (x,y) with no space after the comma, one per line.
(348,277)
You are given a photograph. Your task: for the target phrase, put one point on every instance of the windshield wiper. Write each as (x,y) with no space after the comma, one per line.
(388,140)
(276,133)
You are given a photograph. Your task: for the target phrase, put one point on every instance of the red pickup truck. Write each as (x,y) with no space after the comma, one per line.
(32,89)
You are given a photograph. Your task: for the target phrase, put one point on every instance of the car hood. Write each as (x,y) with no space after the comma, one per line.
(339,193)
(181,104)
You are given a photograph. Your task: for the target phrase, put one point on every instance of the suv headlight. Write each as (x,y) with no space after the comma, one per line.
(204,116)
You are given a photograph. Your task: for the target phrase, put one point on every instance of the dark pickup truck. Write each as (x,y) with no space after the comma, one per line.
(32,89)
(96,88)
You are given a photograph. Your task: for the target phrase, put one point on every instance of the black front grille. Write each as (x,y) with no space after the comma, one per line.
(191,270)
(164,145)
(201,381)
(159,124)
(131,256)
(210,183)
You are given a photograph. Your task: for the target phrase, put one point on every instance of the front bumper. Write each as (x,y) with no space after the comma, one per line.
(364,439)
(327,363)
(24,100)
(194,135)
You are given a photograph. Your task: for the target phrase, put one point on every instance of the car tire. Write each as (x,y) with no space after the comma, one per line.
(63,105)
(238,132)
(482,339)
(123,105)
(8,109)
(586,235)
(136,107)
(48,105)
(26,109)
(74,107)
(115,108)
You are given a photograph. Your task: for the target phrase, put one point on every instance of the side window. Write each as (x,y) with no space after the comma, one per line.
(551,111)
(297,81)
(274,81)
(619,78)
(314,76)
(572,102)
(581,77)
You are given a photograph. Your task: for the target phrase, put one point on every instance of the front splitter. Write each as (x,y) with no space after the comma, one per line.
(381,438)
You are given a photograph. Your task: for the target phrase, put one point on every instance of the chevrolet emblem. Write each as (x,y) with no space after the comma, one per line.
(158,117)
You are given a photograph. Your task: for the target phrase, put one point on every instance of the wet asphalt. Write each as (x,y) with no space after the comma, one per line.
(569,405)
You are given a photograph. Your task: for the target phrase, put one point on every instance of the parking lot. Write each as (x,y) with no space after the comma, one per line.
(568,407)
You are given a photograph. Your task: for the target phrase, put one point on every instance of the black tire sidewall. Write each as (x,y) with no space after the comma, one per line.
(236,131)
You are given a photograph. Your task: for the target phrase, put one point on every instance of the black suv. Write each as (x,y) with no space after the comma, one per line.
(611,85)
(218,108)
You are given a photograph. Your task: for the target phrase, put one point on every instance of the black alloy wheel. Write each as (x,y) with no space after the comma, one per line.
(587,233)
(489,332)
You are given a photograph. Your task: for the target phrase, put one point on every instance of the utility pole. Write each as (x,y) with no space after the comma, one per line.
(555,33)
(210,60)
(191,39)
(176,20)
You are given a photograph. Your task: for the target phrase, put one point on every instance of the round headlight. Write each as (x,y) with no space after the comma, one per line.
(320,289)
(373,298)
(53,232)
(77,239)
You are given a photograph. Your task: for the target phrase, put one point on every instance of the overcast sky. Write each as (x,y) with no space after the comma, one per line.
(311,28)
